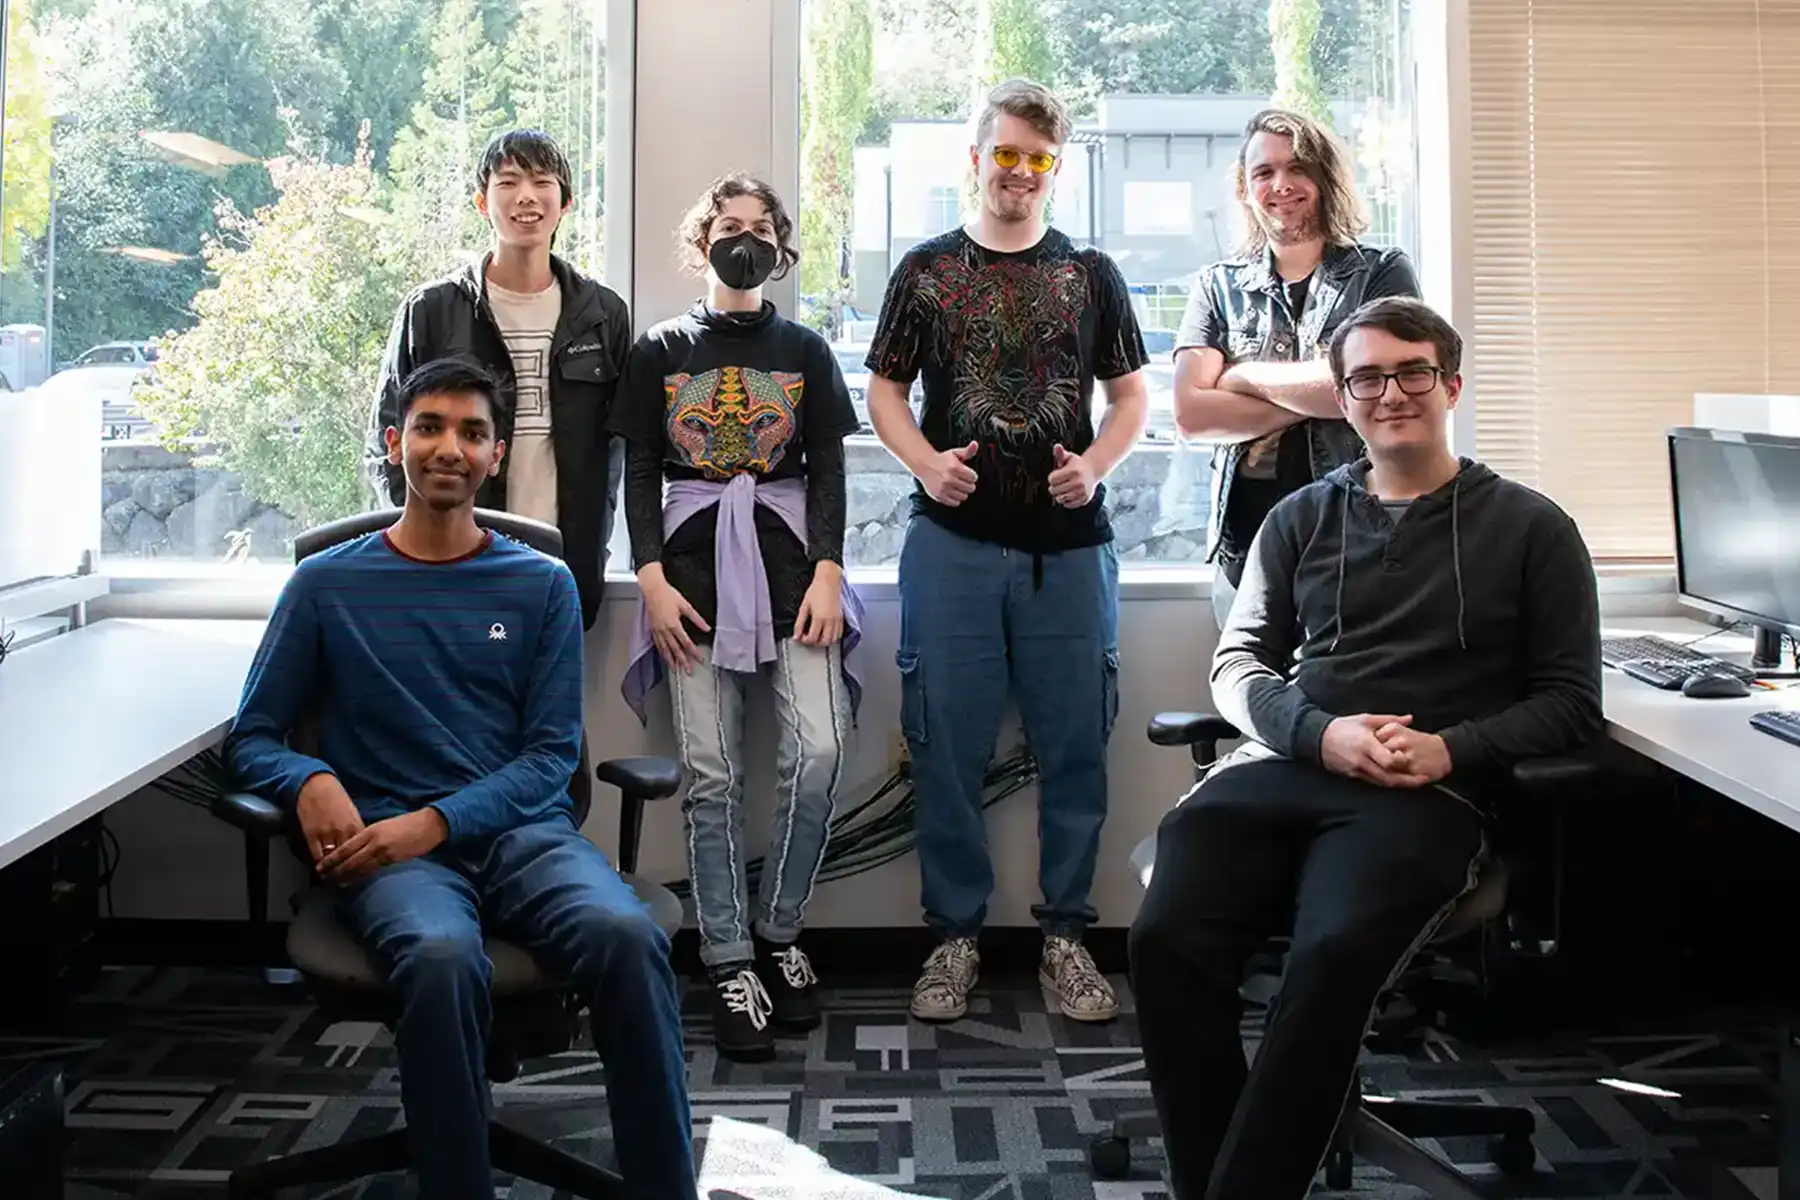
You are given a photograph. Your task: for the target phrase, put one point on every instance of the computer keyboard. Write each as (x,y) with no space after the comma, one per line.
(1662,663)
(1778,723)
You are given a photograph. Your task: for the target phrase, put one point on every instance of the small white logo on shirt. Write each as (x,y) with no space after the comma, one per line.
(496,632)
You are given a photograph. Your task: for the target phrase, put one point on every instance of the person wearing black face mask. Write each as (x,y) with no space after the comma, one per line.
(743,414)
(744,261)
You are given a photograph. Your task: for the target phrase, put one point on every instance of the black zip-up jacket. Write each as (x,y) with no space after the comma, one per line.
(451,316)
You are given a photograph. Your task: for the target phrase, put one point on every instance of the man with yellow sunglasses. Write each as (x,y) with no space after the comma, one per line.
(1008,575)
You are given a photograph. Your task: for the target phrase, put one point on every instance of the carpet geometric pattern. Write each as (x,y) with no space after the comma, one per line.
(177,1075)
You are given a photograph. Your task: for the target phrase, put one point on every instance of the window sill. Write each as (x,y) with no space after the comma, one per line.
(209,590)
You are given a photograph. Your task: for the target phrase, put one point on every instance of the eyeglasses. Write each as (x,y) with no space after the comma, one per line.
(1007,157)
(6,640)
(1369,386)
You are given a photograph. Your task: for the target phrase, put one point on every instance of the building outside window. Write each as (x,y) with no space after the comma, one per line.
(1160,101)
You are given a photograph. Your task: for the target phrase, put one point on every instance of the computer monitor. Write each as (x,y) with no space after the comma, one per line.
(1737,530)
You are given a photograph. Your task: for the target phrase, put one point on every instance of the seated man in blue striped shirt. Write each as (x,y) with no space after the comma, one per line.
(442,666)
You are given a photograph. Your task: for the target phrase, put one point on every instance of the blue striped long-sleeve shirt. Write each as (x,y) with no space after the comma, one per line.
(453,684)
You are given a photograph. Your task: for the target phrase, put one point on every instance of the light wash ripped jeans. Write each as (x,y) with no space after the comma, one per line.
(812,710)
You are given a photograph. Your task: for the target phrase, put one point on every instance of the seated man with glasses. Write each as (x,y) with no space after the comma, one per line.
(1408,627)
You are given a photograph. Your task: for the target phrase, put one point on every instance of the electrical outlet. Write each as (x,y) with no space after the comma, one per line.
(898,758)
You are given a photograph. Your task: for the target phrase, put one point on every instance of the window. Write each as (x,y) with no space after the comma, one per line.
(1632,241)
(213,210)
(1160,94)
(1158,207)
(945,207)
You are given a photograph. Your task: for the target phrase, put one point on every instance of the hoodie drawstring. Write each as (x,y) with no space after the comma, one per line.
(1456,556)
(1343,553)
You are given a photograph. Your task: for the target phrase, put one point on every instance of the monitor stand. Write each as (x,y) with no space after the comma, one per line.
(1768,653)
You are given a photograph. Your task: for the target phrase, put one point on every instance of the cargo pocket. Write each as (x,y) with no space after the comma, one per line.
(912,697)
(1109,693)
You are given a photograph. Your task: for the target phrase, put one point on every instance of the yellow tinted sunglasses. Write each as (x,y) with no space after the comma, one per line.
(1007,157)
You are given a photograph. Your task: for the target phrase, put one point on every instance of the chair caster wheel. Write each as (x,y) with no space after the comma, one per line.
(1514,1155)
(1338,1164)
(1110,1157)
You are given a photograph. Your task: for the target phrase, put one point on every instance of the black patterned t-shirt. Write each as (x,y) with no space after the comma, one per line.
(711,395)
(1009,346)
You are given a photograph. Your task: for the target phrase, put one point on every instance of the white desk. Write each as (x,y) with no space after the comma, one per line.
(1708,741)
(92,715)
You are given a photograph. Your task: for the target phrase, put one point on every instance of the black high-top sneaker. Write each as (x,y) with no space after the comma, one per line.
(792,986)
(740,1011)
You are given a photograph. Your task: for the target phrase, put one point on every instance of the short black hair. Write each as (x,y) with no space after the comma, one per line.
(1407,318)
(531,150)
(453,376)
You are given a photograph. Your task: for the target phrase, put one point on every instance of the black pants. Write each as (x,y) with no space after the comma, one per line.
(1359,875)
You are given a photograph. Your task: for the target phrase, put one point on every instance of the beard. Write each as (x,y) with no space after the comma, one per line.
(1010,206)
(1303,228)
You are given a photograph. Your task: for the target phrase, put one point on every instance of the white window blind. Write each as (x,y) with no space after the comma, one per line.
(1635,238)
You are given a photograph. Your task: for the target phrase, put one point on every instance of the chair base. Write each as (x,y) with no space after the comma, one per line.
(512,1152)
(1379,1131)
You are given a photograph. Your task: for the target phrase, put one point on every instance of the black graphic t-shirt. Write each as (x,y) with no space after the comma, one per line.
(1009,345)
(710,395)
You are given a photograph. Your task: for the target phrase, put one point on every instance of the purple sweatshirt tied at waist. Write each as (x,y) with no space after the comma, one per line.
(744,633)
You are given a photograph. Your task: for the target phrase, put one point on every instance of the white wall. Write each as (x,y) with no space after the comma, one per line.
(706,104)
(179,862)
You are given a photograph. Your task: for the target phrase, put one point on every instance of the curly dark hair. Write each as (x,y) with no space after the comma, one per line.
(693,234)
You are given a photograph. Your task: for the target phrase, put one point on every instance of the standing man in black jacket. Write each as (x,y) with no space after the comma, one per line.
(555,337)
(1408,627)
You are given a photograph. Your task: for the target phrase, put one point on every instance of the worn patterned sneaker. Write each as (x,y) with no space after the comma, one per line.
(942,993)
(1081,990)
(740,1012)
(793,988)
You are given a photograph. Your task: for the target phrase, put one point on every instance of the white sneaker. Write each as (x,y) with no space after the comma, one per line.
(1082,992)
(942,993)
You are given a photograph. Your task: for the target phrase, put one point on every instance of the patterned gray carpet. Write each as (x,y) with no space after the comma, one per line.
(178,1075)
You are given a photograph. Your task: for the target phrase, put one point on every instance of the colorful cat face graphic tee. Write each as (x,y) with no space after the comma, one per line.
(1009,346)
(714,395)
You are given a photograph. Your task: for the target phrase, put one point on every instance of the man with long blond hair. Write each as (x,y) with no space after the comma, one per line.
(1250,367)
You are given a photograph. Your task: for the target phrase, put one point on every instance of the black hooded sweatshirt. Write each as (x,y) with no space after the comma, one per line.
(1473,608)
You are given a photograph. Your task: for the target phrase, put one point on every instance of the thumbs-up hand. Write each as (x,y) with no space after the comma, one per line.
(948,477)
(1072,483)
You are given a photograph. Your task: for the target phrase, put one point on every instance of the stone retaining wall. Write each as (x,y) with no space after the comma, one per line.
(1155,519)
(157,503)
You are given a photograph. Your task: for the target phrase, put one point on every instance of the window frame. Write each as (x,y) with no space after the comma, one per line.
(1440,30)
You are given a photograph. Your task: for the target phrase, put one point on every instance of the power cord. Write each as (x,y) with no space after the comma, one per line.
(866,838)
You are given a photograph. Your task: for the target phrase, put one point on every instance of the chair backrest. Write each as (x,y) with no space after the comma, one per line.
(540,536)
(546,539)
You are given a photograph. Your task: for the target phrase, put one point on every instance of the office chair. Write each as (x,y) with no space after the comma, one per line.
(534,1011)
(1381,1130)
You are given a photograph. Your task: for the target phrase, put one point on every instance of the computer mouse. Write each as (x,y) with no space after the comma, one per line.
(1714,687)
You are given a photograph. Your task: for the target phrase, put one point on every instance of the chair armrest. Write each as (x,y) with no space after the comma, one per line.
(249,812)
(647,777)
(1557,774)
(262,821)
(1186,728)
(1546,786)
(1201,733)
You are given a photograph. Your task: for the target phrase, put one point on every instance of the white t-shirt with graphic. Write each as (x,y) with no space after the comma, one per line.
(528,323)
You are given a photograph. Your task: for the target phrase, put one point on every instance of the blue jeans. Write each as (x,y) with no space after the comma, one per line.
(549,889)
(978,620)
(812,711)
